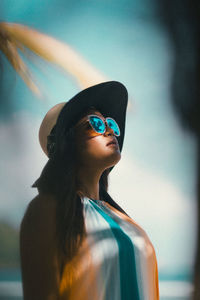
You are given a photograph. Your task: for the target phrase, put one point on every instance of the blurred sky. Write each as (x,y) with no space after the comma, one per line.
(155,178)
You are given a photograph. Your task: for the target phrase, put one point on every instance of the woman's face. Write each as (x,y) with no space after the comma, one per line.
(92,148)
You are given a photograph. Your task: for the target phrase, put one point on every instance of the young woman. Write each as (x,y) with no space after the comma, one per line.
(76,242)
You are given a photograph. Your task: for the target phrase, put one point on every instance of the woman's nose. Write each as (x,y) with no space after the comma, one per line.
(109,131)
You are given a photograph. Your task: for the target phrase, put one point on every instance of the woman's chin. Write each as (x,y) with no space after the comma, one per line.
(114,159)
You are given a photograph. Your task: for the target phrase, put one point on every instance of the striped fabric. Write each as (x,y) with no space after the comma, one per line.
(116,261)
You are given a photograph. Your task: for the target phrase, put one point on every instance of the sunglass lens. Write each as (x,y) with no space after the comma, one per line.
(97,124)
(113,125)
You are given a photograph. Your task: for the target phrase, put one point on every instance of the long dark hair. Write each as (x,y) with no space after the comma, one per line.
(58,178)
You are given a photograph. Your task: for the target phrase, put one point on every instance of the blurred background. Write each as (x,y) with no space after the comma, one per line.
(150,47)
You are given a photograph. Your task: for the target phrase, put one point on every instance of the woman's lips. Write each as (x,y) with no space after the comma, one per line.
(112,142)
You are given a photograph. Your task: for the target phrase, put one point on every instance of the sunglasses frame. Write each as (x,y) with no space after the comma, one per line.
(105,123)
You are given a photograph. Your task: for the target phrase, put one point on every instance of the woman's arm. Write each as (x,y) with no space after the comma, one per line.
(38,251)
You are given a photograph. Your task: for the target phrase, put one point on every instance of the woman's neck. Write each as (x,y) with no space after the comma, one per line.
(88,183)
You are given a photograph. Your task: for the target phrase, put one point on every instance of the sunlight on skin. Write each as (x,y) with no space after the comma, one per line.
(85,133)
(94,155)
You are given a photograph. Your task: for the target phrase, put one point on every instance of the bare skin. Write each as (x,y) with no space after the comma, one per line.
(94,156)
(40,259)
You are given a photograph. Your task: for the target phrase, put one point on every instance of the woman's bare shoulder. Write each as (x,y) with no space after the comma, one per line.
(40,262)
(42,203)
(40,212)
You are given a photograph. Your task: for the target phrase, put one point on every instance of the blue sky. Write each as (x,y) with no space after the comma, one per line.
(155,179)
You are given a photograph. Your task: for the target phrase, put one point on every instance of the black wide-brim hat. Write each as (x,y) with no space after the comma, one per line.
(110,98)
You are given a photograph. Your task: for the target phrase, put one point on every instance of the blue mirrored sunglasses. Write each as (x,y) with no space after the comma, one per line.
(99,125)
